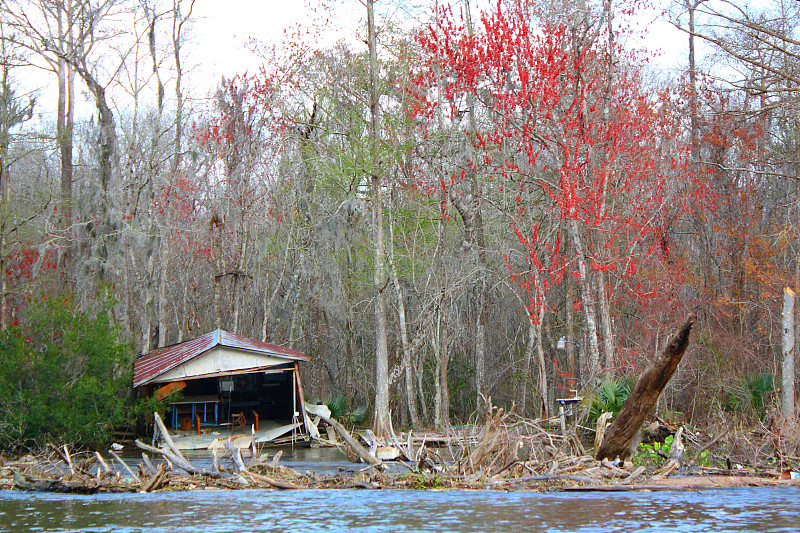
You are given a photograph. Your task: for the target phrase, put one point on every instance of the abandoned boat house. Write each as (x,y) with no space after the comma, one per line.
(225,380)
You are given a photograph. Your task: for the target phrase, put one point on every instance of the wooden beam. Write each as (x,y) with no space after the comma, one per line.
(311,429)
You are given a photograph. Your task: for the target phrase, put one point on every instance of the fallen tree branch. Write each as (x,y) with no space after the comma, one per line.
(283,485)
(351,442)
(180,462)
(708,445)
(125,465)
(156,480)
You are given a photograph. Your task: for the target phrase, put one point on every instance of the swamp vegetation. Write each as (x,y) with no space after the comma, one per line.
(511,204)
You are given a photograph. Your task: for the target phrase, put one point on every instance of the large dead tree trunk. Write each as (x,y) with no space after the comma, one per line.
(622,433)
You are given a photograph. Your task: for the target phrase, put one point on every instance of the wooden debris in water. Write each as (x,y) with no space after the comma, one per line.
(507,452)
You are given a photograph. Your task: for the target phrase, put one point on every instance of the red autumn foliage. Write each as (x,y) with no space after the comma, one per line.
(592,163)
(578,142)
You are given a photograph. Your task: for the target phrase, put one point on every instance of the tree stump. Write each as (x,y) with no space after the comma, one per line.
(621,436)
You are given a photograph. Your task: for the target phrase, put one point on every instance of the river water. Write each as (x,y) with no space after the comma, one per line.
(741,509)
(210,511)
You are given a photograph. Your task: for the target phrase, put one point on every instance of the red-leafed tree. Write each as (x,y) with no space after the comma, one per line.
(588,161)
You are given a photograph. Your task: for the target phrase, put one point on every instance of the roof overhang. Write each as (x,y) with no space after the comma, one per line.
(218,353)
(220,361)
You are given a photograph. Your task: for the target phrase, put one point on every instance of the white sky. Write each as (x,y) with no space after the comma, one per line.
(222,29)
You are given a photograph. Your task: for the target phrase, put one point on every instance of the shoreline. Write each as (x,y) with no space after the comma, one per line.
(89,476)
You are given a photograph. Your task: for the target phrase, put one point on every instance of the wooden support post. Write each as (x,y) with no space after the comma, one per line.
(311,429)
(622,434)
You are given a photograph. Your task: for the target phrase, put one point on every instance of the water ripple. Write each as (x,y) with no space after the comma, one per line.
(744,509)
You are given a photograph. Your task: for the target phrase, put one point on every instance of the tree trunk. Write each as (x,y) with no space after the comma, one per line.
(381,418)
(3,275)
(441,410)
(573,364)
(158,234)
(622,434)
(239,273)
(182,320)
(796,324)
(586,296)
(479,246)
(787,385)
(694,127)
(444,385)
(217,237)
(178,20)
(107,144)
(64,129)
(147,314)
(526,377)
(408,367)
(162,292)
(608,327)
(544,387)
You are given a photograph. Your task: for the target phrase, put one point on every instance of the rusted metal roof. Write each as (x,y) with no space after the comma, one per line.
(157,362)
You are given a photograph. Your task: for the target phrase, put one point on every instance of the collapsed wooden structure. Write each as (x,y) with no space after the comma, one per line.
(226,380)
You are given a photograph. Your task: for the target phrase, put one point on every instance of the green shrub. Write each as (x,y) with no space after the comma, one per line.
(610,396)
(357,415)
(337,405)
(653,454)
(64,377)
(749,395)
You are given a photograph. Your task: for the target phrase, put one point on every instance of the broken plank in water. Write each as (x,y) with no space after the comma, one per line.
(273,434)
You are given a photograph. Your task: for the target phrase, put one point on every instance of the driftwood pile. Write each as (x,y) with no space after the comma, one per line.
(59,470)
(513,453)
(507,452)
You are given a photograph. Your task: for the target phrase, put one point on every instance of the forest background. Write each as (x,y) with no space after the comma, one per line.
(457,204)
